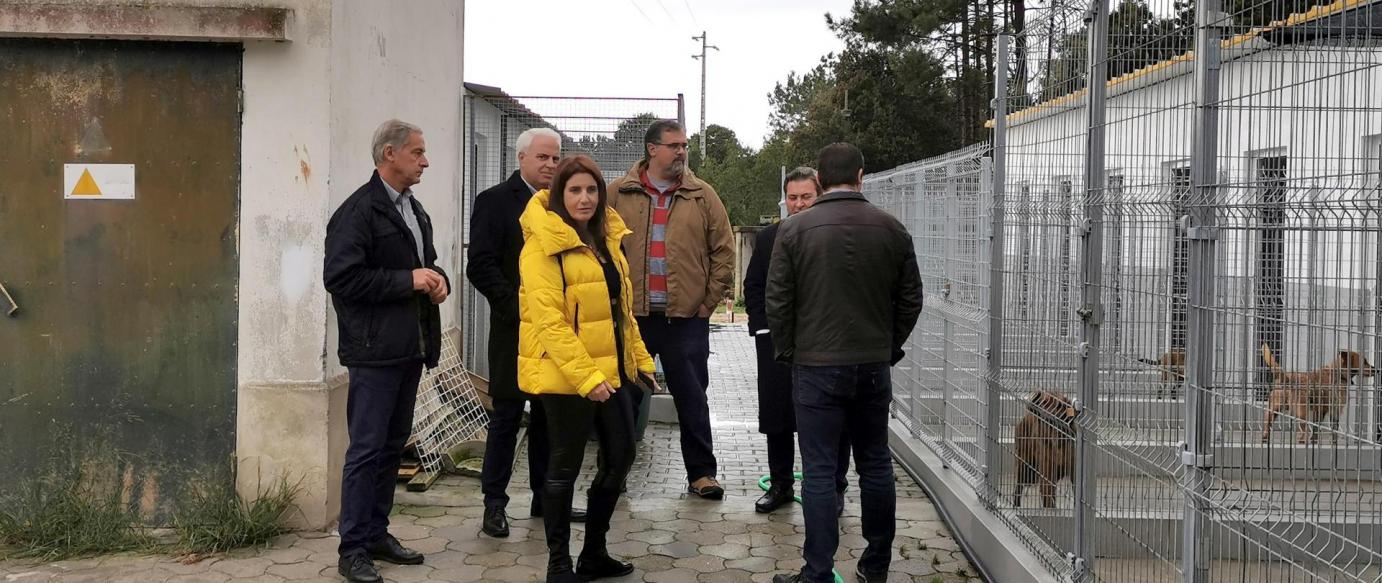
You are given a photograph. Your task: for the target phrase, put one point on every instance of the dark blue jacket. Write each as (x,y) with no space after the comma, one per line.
(370,258)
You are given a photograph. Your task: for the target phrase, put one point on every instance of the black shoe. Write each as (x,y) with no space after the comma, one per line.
(601,566)
(496,523)
(776,497)
(389,550)
(867,578)
(563,577)
(358,568)
(793,578)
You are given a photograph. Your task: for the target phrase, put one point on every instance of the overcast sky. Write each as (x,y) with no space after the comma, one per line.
(643,48)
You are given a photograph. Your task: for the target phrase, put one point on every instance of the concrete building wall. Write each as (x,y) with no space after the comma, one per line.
(311,103)
(378,61)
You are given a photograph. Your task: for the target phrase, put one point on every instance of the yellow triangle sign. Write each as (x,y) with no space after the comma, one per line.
(86,185)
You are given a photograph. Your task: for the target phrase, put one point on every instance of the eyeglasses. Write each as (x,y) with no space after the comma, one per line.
(676,146)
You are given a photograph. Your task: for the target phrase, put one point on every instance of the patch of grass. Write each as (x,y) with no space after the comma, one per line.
(213,518)
(66,515)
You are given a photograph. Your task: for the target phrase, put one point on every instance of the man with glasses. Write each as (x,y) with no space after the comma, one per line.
(681,261)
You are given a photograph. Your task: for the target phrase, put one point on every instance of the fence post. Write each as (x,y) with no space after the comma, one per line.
(1091,307)
(1201,232)
(993,393)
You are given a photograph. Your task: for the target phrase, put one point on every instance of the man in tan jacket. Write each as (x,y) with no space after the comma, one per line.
(681,261)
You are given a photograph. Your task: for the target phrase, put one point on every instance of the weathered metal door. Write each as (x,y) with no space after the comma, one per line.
(125,333)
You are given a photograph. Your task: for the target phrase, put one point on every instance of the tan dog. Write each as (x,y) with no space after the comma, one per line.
(1045,446)
(1172,366)
(1312,397)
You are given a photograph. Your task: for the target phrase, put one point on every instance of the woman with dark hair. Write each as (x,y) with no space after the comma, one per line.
(578,349)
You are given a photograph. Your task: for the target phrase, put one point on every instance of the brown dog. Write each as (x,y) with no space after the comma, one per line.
(1172,366)
(1312,397)
(1045,446)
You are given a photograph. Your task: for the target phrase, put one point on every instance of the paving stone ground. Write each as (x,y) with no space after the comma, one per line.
(669,536)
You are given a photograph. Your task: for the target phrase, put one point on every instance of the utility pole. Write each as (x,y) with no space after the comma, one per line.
(701,57)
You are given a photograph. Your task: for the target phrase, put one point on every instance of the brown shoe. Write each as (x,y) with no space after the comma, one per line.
(707,488)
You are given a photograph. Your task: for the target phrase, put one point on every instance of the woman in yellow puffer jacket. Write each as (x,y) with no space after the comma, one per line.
(578,349)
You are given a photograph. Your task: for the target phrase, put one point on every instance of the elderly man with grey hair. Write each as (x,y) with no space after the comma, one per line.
(492,267)
(381,270)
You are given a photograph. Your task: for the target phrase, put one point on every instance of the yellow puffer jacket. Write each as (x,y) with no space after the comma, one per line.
(555,354)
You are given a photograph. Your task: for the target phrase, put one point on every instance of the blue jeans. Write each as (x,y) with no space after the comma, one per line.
(828,400)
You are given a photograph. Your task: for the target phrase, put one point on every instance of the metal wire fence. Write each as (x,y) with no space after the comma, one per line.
(1153,300)
(608,129)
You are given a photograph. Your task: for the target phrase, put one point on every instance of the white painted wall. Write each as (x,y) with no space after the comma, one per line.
(311,107)
(284,177)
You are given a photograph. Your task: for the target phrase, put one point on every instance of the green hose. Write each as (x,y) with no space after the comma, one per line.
(763,483)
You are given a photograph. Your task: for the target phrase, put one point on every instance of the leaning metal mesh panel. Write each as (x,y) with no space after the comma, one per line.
(609,130)
(448,411)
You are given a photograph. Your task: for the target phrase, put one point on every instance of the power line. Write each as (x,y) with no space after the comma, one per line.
(640,11)
(693,14)
(670,18)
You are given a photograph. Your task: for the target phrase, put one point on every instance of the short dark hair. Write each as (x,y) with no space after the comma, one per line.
(801,173)
(655,131)
(839,164)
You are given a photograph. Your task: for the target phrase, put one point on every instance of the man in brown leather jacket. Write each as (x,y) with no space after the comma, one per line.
(681,263)
(843,295)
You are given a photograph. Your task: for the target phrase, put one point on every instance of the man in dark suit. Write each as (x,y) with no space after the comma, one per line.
(843,296)
(776,419)
(492,267)
(385,285)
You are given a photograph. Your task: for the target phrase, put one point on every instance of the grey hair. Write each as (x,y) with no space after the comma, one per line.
(525,139)
(391,133)
(801,173)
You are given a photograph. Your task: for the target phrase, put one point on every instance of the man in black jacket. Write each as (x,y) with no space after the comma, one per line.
(843,295)
(776,418)
(386,287)
(492,267)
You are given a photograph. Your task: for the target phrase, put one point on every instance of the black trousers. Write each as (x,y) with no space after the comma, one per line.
(500,448)
(684,347)
(570,419)
(379,416)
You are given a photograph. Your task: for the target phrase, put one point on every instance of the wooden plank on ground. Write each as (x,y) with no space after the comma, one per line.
(422,481)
